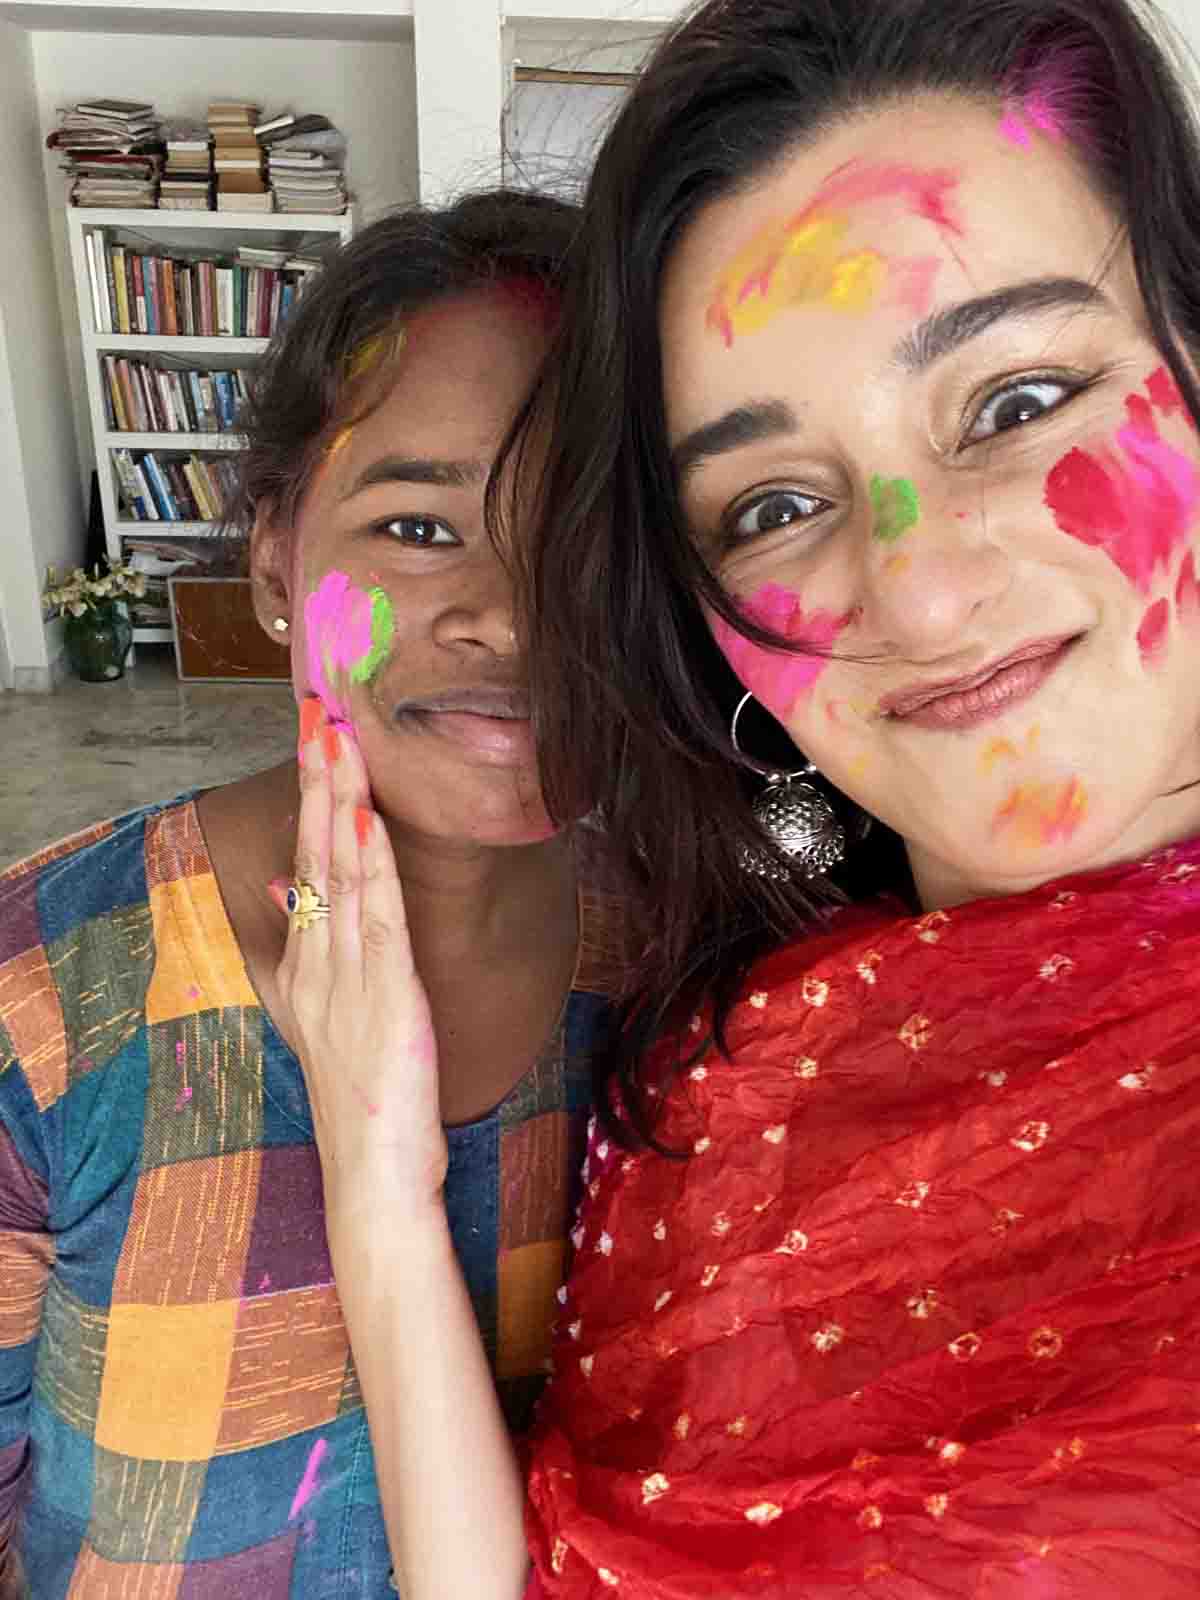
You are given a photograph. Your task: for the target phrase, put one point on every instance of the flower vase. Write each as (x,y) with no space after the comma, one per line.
(98,642)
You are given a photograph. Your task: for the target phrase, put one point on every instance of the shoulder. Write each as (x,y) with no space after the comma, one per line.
(77,945)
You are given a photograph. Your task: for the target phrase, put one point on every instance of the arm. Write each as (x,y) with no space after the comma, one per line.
(451,1487)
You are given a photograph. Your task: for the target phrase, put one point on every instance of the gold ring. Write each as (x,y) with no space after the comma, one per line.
(304,904)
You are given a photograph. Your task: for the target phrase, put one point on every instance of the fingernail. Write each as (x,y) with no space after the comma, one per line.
(312,714)
(277,889)
(364,821)
(333,745)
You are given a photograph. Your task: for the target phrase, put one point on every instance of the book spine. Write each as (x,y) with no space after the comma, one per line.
(126,387)
(181,494)
(224,297)
(121,302)
(170,309)
(239,300)
(108,288)
(153,297)
(166,407)
(187,401)
(115,403)
(162,491)
(145,405)
(148,499)
(223,392)
(89,251)
(139,295)
(212,422)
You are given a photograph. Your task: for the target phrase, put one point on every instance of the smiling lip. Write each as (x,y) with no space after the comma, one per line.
(492,723)
(967,702)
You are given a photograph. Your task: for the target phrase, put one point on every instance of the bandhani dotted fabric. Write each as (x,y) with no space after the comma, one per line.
(918,1317)
(179,1412)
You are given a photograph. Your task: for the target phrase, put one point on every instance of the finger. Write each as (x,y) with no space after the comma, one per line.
(345,872)
(386,948)
(306,953)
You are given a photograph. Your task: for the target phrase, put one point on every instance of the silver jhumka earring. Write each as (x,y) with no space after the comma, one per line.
(805,834)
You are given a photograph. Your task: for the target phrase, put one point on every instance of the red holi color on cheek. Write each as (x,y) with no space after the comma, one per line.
(1139,509)
(1152,635)
(777,679)
(1164,392)
(1187,593)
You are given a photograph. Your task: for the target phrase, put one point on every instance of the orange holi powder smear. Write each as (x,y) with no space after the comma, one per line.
(895,565)
(995,751)
(1042,813)
(800,261)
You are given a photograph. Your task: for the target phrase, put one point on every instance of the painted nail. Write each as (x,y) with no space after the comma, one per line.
(312,715)
(277,889)
(364,821)
(333,745)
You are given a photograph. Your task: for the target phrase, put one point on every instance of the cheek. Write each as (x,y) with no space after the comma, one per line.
(776,678)
(1036,815)
(1135,499)
(348,634)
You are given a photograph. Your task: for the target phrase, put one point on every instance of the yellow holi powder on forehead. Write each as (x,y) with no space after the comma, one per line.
(372,352)
(793,265)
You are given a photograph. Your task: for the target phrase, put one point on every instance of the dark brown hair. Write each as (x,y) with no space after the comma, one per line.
(633,698)
(313,380)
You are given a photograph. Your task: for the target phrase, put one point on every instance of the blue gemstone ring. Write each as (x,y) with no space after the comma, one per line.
(304,904)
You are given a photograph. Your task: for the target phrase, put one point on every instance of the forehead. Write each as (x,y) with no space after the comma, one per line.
(463,367)
(843,240)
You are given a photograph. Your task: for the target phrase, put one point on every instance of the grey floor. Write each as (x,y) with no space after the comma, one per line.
(93,750)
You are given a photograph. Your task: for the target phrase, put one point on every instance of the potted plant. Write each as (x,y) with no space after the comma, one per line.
(97,632)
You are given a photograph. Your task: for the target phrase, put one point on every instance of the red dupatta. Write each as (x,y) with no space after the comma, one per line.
(919,1316)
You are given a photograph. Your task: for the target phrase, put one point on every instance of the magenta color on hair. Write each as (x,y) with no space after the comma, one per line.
(1056,95)
(536,298)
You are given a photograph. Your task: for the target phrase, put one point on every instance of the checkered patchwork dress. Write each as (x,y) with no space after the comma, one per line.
(179,1412)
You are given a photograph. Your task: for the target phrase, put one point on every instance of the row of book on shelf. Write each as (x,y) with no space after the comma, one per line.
(172,489)
(140,397)
(134,291)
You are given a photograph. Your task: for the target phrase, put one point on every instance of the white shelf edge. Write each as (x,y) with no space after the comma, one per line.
(230,221)
(153,636)
(116,440)
(177,343)
(163,528)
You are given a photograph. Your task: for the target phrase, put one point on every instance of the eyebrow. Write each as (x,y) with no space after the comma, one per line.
(407,469)
(748,424)
(945,331)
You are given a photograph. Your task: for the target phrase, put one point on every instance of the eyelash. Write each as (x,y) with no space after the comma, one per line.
(389,523)
(1072,386)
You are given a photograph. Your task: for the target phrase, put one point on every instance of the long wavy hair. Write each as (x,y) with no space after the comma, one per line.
(631,695)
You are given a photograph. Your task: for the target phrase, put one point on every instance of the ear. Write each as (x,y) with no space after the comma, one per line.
(270,571)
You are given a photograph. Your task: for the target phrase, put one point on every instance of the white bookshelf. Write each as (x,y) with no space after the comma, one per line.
(216,233)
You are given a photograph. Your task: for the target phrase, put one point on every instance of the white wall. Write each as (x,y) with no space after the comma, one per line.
(366,88)
(42,511)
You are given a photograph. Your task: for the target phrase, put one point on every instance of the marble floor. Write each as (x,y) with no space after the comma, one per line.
(93,750)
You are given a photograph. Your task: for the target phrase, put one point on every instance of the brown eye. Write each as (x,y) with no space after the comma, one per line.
(778,509)
(420,531)
(1018,404)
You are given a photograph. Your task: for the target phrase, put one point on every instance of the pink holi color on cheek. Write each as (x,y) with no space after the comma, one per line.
(1187,593)
(777,679)
(337,626)
(1164,392)
(1137,510)
(1152,635)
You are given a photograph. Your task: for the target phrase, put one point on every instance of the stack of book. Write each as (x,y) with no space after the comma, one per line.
(187,181)
(237,157)
(304,162)
(161,488)
(112,152)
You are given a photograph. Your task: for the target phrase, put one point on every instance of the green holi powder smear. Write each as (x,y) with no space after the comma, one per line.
(383,625)
(897,507)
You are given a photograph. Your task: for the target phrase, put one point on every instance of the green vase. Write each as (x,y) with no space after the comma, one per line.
(98,642)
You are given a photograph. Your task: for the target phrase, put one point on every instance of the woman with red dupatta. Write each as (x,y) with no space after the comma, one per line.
(875,402)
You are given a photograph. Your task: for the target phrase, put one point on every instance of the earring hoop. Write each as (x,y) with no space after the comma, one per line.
(803,831)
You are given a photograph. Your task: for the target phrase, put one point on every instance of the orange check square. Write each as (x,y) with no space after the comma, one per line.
(166,1370)
(198,966)
(528,1278)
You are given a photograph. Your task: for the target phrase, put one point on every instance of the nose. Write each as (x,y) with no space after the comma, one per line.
(480,616)
(931,572)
